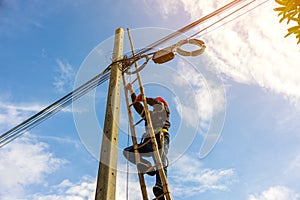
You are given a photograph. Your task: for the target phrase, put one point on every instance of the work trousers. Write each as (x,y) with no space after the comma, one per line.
(145,149)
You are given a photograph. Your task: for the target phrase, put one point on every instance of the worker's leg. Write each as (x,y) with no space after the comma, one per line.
(143,149)
(158,189)
(164,159)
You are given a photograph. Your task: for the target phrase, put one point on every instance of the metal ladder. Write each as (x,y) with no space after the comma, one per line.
(157,158)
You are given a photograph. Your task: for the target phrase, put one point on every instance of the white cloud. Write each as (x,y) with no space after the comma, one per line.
(85,189)
(66,190)
(293,167)
(202,103)
(62,140)
(201,96)
(206,95)
(184,180)
(276,193)
(134,191)
(66,74)
(12,114)
(188,177)
(295,164)
(168,8)
(24,162)
(251,49)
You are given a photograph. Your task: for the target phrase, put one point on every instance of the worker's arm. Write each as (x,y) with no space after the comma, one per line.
(152,101)
(136,104)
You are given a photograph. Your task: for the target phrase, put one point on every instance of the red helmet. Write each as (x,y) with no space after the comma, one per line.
(162,100)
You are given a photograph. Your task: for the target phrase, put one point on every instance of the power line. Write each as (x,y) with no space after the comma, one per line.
(190,26)
(103,76)
(54,108)
(221,19)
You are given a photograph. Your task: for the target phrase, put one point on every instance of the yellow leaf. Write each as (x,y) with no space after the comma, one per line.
(279,9)
(281,13)
(291,5)
(283,18)
(294,28)
(288,34)
(280,2)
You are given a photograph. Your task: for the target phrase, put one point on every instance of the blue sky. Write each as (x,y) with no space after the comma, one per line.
(249,74)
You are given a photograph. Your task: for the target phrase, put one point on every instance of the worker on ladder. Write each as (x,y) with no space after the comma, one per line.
(160,122)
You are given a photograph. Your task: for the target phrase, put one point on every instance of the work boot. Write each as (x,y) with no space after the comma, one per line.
(146,168)
(158,192)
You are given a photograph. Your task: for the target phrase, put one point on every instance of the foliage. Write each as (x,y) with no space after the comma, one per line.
(290,10)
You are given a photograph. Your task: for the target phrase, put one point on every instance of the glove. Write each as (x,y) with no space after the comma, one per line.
(128,86)
(139,98)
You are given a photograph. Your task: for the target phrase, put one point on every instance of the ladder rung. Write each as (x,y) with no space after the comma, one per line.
(146,116)
(160,196)
(138,121)
(134,80)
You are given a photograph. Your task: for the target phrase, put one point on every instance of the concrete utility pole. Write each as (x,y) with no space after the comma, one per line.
(107,173)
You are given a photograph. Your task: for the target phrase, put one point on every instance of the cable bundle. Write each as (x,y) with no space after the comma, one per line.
(54,108)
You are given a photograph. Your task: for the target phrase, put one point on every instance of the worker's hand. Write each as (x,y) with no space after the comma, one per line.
(128,86)
(139,98)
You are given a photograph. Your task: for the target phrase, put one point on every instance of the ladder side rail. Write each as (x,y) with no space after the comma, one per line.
(157,158)
(134,141)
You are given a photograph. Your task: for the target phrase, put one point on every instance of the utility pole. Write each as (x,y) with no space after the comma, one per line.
(107,173)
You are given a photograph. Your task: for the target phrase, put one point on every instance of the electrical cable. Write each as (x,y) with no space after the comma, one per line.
(48,112)
(221,19)
(190,26)
(103,76)
(42,116)
(127,167)
(127,161)
(140,68)
(54,108)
